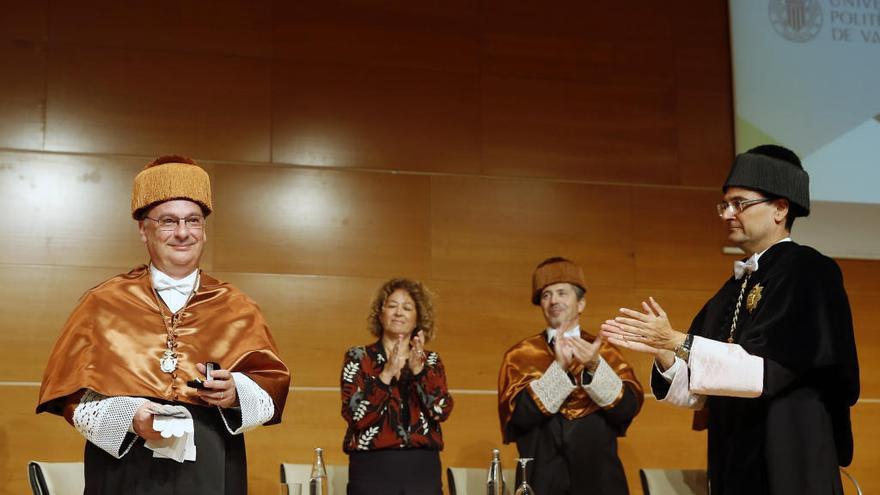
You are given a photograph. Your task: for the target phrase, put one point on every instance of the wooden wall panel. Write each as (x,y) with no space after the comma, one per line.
(600,132)
(859,275)
(314,319)
(678,238)
(571,130)
(703,65)
(443,36)
(35,301)
(321,222)
(384,118)
(704,105)
(499,230)
(866,314)
(865,419)
(68,210)
(227,27)
(477,322)
(23,85)
(704,126)
(24,436)
(581,42)
(112,100)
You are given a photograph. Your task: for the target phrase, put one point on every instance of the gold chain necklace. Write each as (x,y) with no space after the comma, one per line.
(739,300)
(168,361)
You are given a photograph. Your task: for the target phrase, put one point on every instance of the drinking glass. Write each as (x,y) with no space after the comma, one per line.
(524,488)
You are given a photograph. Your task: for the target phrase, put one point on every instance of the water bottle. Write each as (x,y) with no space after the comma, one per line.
(495,480)
(318,478)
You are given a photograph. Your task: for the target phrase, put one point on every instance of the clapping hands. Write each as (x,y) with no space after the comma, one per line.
(404,354)
(573,352)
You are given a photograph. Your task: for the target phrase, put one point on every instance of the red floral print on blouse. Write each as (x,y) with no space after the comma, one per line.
(405,414)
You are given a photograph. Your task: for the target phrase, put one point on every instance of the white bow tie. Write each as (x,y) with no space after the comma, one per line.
(182,286)
(740,268)
(574,332)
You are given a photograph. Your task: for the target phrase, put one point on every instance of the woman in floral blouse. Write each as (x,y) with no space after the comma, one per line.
(394,397)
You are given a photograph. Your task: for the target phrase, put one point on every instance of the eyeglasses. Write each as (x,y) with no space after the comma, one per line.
(170,224)
(738,205)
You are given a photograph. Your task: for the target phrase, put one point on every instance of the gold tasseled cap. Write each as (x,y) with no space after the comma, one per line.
(170,177)
(553,271)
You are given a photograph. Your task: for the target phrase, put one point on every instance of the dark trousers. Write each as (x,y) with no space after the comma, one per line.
(394,472)
(220,466)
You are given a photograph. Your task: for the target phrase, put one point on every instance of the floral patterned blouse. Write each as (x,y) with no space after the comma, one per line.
(405,414)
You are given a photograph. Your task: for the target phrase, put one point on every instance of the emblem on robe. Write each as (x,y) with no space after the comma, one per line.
(754,297)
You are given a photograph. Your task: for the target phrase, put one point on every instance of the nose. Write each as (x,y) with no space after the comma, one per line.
(181,231)
(728,213)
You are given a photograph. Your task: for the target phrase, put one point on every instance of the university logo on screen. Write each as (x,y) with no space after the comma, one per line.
(796,20)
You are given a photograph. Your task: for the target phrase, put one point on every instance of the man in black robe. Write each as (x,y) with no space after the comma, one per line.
(770,361)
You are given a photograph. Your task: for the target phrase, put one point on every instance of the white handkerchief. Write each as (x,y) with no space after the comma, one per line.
(175,424)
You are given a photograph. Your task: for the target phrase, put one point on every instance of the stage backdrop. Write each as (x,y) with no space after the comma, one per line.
(348,142)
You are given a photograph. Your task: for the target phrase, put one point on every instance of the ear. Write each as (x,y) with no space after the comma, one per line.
(582,304)
(781,212)
(141,231)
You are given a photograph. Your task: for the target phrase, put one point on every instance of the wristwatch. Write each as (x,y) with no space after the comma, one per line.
(683,351)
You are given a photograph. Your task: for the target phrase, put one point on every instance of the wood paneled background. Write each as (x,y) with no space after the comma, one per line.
(456,142)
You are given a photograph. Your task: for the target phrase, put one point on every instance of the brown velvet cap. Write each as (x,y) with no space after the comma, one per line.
(170,177)
(553,271)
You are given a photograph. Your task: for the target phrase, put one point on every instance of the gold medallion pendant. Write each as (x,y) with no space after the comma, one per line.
(754,298)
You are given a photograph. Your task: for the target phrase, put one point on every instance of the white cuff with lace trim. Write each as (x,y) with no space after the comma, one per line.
(719,368)
(605,386)
(679,393)
(552,388)
(105,421)
(256,405)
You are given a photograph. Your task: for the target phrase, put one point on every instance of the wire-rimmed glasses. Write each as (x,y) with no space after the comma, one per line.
(738,205)
(168,223)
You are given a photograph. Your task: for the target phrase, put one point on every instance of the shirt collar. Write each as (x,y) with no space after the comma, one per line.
(163,281)
(571,332)
(757,256)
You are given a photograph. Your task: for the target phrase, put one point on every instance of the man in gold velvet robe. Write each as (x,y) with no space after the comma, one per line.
(122,371)
(564,396)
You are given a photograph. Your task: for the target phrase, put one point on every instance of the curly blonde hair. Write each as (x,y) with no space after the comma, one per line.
(416,290)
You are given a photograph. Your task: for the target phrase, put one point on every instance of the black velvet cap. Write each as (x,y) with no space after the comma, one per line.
(774,170)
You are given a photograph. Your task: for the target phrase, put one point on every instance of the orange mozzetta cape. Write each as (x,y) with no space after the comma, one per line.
(114,339)
(529,359)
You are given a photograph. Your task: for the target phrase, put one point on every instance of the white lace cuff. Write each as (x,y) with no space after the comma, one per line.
(255,404)
(679,393)
(105,421)
(552,388)
(605,387)
(719,368)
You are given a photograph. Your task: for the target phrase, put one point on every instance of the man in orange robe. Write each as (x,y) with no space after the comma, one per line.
(123,369)
(564,396)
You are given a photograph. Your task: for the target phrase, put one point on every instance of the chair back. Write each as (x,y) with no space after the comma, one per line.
(674,481)
(693,481)
(472,481)
(56,478)
(337,476)
(852,480)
